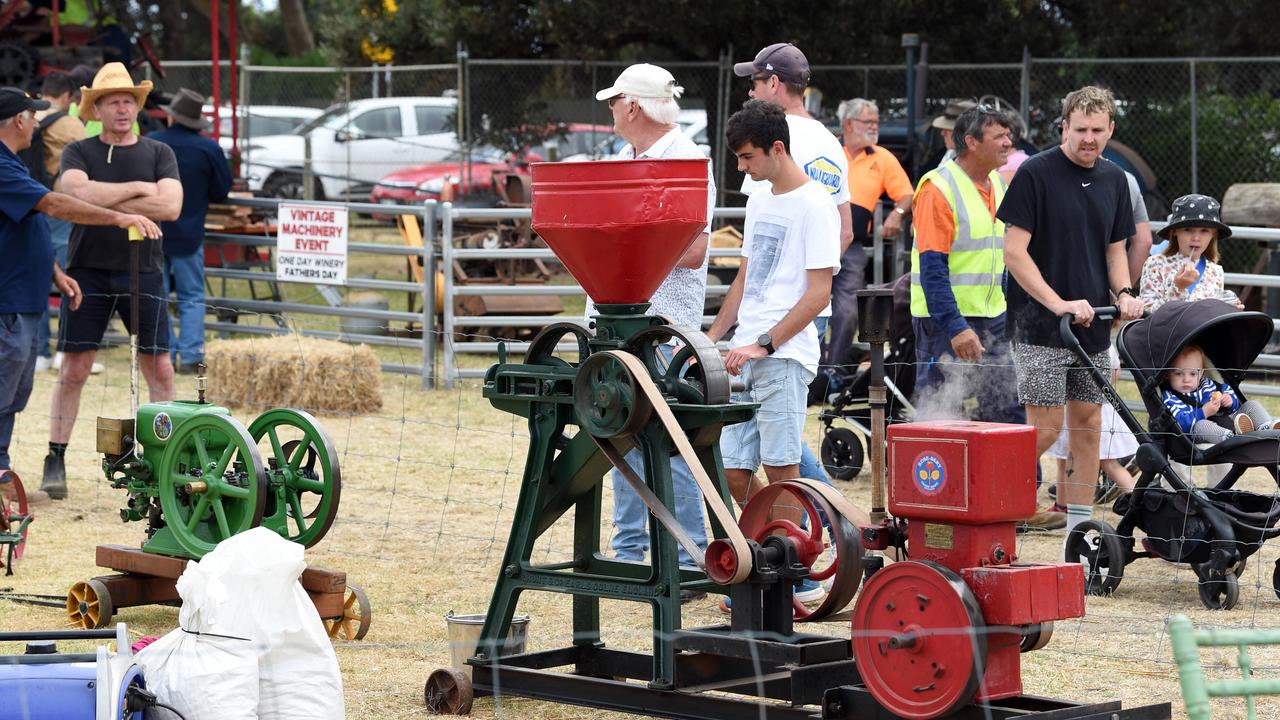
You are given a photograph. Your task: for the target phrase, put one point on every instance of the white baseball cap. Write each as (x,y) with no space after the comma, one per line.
(643,81)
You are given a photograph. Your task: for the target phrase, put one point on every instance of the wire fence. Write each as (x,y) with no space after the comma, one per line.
(1194,125)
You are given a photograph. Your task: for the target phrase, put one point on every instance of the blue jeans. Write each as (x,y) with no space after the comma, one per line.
(60,232)
(188,283)
(992,380)
(631,517)
(17,372)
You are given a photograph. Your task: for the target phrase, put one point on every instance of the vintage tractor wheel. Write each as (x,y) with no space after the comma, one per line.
(89,605)
(606,398)
(356,616)
(1218,591)
(919,639)
(212,482)
(14,515)
(304,479)
(448,692)
(839,560)
(1095,544)
(842,454)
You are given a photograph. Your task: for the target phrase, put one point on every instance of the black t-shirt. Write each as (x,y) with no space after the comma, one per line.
(1073,214)
(107,248)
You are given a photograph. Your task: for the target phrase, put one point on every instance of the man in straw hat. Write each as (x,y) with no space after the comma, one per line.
(133,174)
(205,179)
(28,254)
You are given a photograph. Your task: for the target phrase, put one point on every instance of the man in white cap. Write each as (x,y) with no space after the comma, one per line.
(644,107)
(119,170)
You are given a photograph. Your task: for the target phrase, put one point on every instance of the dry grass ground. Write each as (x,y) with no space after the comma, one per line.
(430,485)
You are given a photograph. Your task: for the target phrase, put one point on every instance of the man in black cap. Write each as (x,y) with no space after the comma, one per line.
(28,257)
(205,179)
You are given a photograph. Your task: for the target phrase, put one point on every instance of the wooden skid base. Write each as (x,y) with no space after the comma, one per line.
(148,579)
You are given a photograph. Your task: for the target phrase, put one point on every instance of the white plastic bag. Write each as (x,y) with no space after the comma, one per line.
(247,587)
(201,676)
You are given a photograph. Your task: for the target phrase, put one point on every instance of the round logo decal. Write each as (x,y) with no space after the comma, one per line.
(930,473)
(162,426)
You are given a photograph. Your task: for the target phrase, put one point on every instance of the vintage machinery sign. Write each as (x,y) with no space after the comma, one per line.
(311,244)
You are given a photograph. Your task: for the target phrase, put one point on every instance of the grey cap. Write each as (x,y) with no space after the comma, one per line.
(782,59)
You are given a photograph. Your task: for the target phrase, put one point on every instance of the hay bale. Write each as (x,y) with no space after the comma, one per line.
(319,376)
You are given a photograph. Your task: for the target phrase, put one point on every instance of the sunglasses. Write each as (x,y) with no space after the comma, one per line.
(610,102)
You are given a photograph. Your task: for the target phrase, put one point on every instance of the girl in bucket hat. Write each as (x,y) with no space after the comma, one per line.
(1188,268)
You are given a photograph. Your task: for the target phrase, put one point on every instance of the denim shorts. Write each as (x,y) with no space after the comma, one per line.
(773,436)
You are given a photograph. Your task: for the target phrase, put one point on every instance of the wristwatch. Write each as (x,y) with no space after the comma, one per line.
(766,341)
(900,211)
(1125,291)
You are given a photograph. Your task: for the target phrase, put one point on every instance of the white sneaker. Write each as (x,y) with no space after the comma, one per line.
(57,362)
(43,363)
(97,369)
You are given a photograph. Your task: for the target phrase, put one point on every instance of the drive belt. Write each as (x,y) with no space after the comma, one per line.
(710,493)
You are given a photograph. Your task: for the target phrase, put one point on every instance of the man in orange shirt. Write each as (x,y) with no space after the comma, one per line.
(957,278)
(873,172)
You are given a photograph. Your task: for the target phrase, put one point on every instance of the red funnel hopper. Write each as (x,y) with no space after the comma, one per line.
(620,226)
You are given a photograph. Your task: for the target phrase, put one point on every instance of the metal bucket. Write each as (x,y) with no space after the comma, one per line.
(464,635)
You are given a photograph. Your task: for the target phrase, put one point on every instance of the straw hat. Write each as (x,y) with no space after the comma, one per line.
(112,78)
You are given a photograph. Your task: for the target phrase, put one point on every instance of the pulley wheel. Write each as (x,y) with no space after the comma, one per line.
(919,639)
(1035,636)
(212,482)
(89,605)
(1095,544)
(831,545)
(448,692)
(691,370)
(543,347)
(356,616)
(305,480)
(13,511)
(606,398)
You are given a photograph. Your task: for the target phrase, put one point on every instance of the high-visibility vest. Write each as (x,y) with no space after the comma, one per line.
(976,262)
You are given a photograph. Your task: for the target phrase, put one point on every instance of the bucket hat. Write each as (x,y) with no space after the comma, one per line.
(1196,211)
(947,120)
(112,78)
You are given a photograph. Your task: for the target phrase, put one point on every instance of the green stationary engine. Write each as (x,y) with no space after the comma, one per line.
(197,476)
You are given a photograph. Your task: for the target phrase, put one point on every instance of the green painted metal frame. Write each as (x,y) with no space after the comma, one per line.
(560,480)
(1197,691)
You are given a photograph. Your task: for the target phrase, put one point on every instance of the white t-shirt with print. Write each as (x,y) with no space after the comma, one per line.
(822,158)
(786,235)
(682,296)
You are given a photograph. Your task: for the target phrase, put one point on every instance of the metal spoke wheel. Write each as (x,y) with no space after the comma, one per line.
(1094,544)
(919,639)
(1217,591)
(691,370)
(542,349)
(842,454)
(607,400)
(356,616)
(448,692)
(212,482)
(303,475)
(15,517)
(830,546)
(89,605)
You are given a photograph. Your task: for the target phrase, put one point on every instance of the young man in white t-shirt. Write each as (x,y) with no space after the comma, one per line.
(790,250)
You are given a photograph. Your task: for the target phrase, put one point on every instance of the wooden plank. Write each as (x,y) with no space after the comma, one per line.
(123,558)
(129,590)
(329,604)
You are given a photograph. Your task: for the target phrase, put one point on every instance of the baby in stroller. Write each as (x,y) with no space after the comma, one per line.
(1207,410)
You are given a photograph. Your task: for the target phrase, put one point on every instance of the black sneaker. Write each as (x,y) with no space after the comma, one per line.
(55,477)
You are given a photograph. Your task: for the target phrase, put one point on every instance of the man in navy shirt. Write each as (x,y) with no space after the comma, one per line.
(205,179)
(28,262)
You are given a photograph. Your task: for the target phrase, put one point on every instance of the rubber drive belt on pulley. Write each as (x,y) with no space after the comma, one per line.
(737,541)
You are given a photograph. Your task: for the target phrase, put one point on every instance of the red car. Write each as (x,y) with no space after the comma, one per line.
(415,185)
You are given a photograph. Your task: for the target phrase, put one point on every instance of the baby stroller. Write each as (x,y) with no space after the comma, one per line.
(842,449)
(1214,530)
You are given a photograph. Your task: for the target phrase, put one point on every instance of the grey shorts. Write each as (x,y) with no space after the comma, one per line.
(1050,376)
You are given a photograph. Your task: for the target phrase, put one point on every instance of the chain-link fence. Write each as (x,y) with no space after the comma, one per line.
(1183,125)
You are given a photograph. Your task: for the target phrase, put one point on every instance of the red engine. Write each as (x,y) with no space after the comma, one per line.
(946,627)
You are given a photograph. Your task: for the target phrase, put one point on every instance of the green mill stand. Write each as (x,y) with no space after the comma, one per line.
(620,228)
